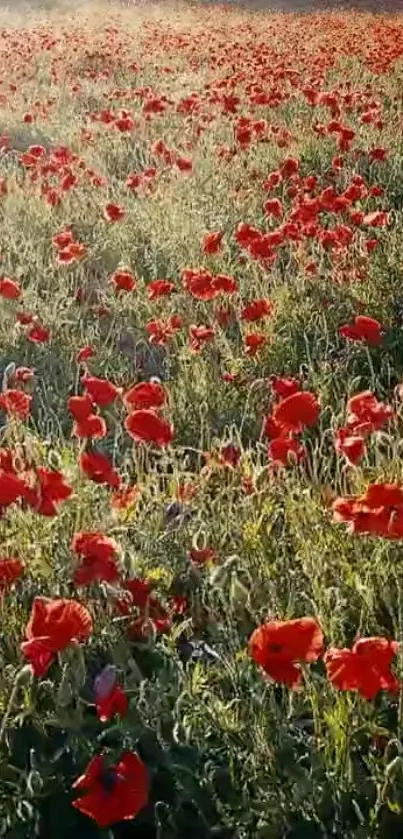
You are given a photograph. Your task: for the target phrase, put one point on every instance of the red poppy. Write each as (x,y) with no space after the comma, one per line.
(53,625)
(364,409)
(110,698)
(99,469)
(84,354)
(351,445)
(279,646)
(10,289)
(124,280)
(143,608)
(101,391)
(212,242)
(10,571)
(98,558)
(364,329)
(203,556)
(257,310)
(124,497)
(12,488)
(115,793)
(378,512)
(253,343)
(49,491)
(23,375)
(298,411)
(146,426)
(365,668)
(200,283)
(160,288)
(80,407)
(286,451)
(144,395)
(284,387)
(38,334)
(113,213)
(230,455)
(200,335)
(16,403)
(74,252)
(92,427)
(379,218)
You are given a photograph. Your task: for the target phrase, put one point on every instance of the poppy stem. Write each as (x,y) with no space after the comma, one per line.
(21,677)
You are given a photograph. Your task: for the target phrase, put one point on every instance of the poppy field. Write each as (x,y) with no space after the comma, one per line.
(201,418)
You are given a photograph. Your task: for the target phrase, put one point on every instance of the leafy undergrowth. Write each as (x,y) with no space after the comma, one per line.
(201,481)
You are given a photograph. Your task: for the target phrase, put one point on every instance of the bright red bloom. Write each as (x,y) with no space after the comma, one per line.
(74,252)
(53,625)
(212,242)
(38,334)
(146,426)
(124,280)
(257,310)
(160,288)
(379,218)
(351,445)
(110,698)
(253,342)
(49,491)
(80,407)
(113,213)
(203,556)
(365,668)
(84,354)
(10,289)
(144,395)
(92,427)
(279,646)
(10,571)
(378,512)
(12,488)
(113,793)
(284,387)
(363,329)
(286,451)
(102,391)
(200,283)
(98,558)
(230,455)
(143,607)
(298,411)
(364,409)
(99,469)
(200,335)
(16,403)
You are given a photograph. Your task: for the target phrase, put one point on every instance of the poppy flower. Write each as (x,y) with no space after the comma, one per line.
(84,354)
(296,412)
(379,511)
(10,289)
(351,445)
(53,626)
(11,569)
(111,794)
(23,375)
(92,427)
(159,288)
(16,403)
(257,310)
(80,407)
(253,342)
(124,497)
(200,335)
(144,395)
(124,280)
(38,334)
(379,218)
(102,391)
(98,555)
(365,668)
(99,469)
(144,608)
(202,556)
(146,426)
(74,252)
(49,491)
(12,488)
(279,646)
(365,409)
(113,213)
(212,242)
(229,455)
(363,329)
(284,387)
(110,698)
(286,451)
(200,283)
